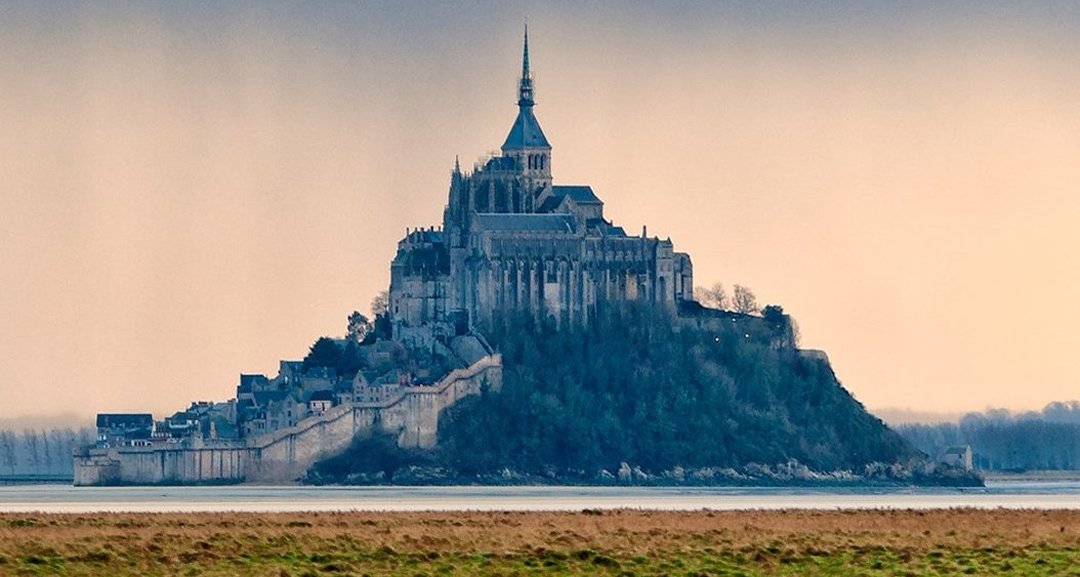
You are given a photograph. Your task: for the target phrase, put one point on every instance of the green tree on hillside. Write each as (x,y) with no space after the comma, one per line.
(639,387)
(358,327)
(323,353)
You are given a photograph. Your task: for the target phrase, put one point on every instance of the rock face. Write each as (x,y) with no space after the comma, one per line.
(284,455)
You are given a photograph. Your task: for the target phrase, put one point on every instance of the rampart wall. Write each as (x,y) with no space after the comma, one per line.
(284,455)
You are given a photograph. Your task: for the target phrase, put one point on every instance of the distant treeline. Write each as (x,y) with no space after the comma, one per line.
(1005,441)
(41,451)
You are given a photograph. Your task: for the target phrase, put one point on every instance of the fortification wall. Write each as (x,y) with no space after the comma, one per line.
(283,455)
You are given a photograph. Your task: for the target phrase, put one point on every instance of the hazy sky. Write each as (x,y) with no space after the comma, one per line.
(190,190)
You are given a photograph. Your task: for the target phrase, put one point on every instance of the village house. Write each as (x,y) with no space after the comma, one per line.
(123,429)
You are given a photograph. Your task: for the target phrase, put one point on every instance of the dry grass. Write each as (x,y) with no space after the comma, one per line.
(608,543)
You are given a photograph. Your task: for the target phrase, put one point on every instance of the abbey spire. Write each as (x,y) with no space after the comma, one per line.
(526,141)
(525,90)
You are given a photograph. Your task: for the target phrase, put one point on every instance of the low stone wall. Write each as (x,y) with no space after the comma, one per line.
(283,455)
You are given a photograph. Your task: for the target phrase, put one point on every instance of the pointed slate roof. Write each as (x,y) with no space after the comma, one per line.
(581,194)
(526,132)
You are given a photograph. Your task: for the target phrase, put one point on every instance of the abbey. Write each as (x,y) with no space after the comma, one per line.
(512,239)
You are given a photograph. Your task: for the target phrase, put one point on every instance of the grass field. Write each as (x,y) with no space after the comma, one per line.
(950,542)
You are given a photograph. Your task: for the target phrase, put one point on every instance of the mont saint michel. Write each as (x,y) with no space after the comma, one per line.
(780,287)
(528,338)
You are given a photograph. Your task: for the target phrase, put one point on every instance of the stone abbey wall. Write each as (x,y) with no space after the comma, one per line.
(284,455)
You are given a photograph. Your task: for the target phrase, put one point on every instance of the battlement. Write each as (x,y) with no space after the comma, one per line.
(284,454)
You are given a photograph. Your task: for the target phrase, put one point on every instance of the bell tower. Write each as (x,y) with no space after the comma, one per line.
(526,143)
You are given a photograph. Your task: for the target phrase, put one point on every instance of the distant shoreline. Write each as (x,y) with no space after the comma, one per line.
(1031,476)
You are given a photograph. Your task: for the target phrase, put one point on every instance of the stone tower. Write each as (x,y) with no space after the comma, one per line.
(513,240)
(526,142)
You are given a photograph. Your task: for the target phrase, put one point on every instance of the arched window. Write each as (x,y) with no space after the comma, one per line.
(501,200)
(543,157)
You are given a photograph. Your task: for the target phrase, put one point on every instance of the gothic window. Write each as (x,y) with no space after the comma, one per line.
(543,157)
(482,200)
(501,200)
(566,272)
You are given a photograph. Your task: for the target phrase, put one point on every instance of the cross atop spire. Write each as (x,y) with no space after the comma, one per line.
(525,89)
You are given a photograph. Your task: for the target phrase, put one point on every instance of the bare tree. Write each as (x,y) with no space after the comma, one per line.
(380,305)
(33,448)
(46,451)
(714,296)
(86,436)
(7,450)
(71,438)
(744,300)
(61,448)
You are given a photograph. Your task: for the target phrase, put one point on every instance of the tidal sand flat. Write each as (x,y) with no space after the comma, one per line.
(590,542)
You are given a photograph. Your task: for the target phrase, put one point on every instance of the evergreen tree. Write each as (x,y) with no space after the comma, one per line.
(638,385)
(324,353)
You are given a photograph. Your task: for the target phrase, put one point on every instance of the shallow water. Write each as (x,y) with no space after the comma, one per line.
(68,499)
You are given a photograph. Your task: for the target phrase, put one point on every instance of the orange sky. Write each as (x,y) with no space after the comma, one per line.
(191,191)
